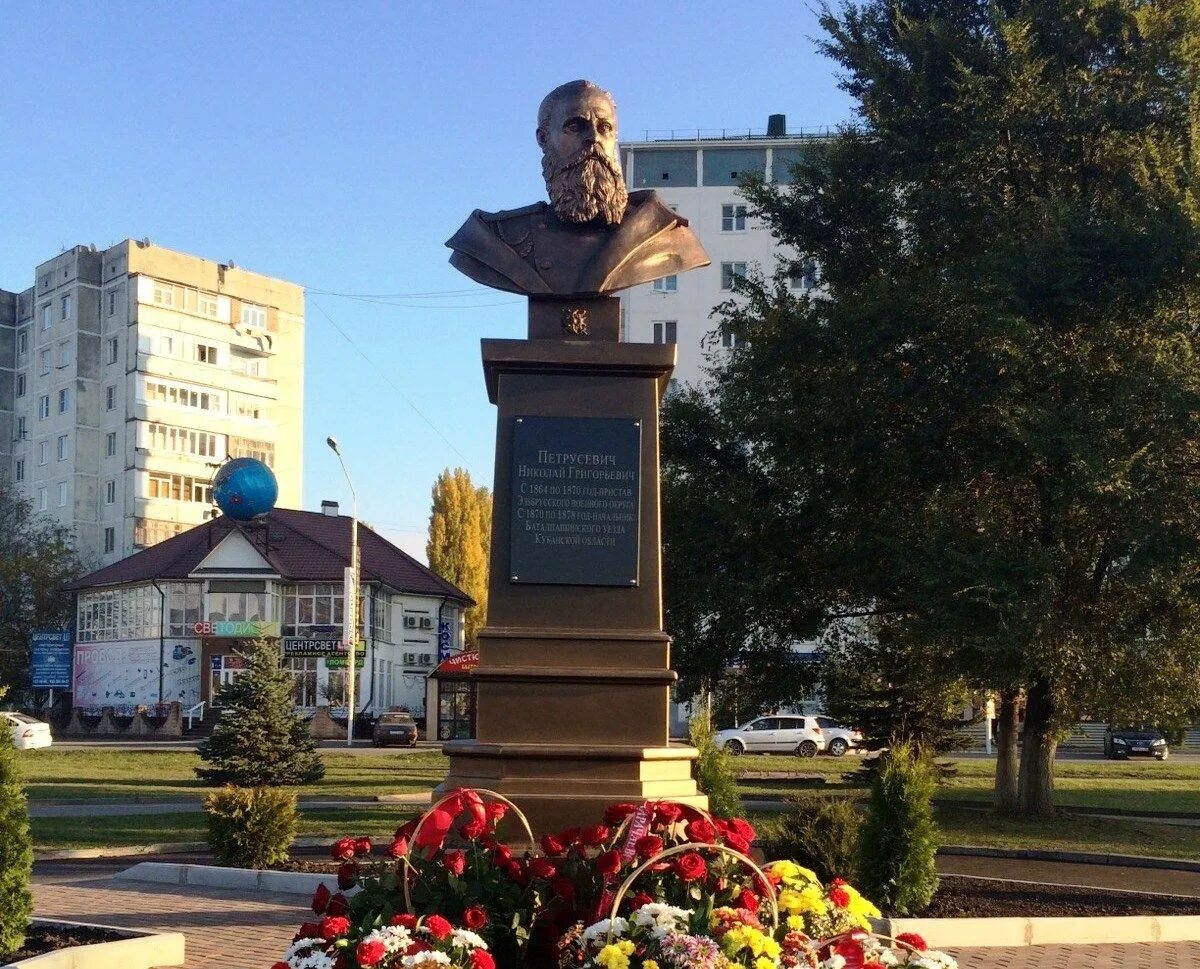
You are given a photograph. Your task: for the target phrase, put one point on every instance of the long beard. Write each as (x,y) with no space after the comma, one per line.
(586,186)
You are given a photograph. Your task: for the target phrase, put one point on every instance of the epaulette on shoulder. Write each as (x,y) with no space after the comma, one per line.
(506,214)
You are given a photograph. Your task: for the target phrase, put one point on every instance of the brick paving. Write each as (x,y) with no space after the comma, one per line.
(235,930)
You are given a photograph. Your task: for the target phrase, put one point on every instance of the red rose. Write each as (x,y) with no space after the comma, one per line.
(564,888)
(496,811)
(433,832)
(338,905)
(343,849)
(481,959)
(362,846)
(475,918)
(649,846)
(667,813)
(914,940)
(701,830)
(501,854)
(515,871)
(473,829)
(593,835)
(398,848)
(405,919)
(347,874)
(438,927)
(569,836)
(616,813)
(370,953)
(417,946)
(309,930)
(553,846)
(742,828)
(690,867)
(454,862)
(639,899)
(407,828)
(333,926)
(748,900)
(473,805)
(852,951)
(840,897)
(737,843)
(542,868)
(320,899)
(608,863)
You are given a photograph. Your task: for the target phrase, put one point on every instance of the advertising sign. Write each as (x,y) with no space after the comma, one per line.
(458,663)
(339,662)
(237,629)
(127,675)
(303,646)
(50,665)
(444,639)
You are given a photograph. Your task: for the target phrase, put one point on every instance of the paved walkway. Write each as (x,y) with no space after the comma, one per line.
(1155,880)
(234,930)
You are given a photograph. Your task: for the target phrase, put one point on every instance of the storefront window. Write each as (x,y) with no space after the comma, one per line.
(311,604)
(335,689)
(456,710)
(237,606)
(304,677)
(225,669)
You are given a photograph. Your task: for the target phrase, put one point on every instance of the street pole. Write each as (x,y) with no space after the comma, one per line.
(350,611)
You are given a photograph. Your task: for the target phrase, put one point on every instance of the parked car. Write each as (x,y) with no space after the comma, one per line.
(395,727)
(838,739)
(27,733)
(1140,740)
(778,734)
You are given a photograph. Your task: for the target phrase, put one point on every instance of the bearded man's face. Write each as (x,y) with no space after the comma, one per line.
(579,160)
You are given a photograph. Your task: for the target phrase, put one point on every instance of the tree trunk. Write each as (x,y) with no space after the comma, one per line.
(1006,798)
(1036,781)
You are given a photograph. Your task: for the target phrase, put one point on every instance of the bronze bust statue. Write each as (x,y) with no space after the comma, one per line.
(595,237)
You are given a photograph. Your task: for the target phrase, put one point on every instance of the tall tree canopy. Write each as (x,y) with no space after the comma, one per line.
(37,558)
(982,427)
(460,538)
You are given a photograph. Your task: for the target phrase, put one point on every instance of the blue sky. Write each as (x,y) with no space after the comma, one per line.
(338,145)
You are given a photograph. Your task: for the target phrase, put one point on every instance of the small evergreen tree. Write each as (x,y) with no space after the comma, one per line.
(251,827)
(899,841)
(16,851)
(260,741)
(822,834)
(714,776)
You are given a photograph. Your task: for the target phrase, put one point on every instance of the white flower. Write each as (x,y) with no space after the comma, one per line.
(598,931)
(314,960)
(661,919)
(468,939)
(395,938)
(430,958)
(931,960)
(834,962)
(306,954)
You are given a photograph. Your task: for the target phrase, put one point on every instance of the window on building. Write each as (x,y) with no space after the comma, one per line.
(151,531)
(62,494)
(730,271)
(47,317)
(43,406)
(206,305)
(110,495)
(64,399)
(43,452)
(20,385)
(110,397)
(664,331)
(729,339)
(311,604)
(181,440)
(178,487)
(180,395)
(110,539)
(245,447)
(62,447)
(22,344)
(64,354)
(733,218)
(112,350)
(247,603)
(254,408)
(304,679)
(804,275)
(206,353)
(21,429)
(43,499)
(164,294)
(110,444)
(250,366)
(184,600)
(45,358)
(668,284)
(19,469)
(254,316)
(381,616)
(65,303)
(166,346)
(112,302)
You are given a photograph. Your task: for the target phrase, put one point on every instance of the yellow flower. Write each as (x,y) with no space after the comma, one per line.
(764,963)
(807,899)
(616,956)
(795,923)
(649,964)
(790,872)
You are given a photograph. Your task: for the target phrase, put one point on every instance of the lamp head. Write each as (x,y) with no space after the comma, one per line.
(333,444)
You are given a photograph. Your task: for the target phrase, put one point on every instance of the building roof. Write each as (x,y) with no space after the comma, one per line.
(301,546)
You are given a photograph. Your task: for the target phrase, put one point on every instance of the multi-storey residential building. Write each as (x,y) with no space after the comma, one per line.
(128,375)
(698,177)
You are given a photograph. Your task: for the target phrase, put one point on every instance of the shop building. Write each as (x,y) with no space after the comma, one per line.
(166,624)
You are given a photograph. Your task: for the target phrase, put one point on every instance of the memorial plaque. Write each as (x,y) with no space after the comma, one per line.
(576,492)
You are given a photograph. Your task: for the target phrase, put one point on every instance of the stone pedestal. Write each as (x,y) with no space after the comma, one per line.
(574,679)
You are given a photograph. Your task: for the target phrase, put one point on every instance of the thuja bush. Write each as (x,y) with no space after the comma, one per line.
(251,827)
(260,740)
(714,775)
(822,834)
(899,840)
(16,850)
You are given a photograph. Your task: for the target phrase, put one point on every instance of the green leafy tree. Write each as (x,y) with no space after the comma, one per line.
(16,849)
(460,537)
(260,740)
(983,424)
(37,558)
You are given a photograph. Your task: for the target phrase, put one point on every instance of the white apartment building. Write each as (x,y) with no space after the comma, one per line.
(128,375)
(698,177)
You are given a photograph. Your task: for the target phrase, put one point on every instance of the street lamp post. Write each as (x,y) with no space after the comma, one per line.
(350,617)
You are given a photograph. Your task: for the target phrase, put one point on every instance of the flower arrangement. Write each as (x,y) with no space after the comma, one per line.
(653,886)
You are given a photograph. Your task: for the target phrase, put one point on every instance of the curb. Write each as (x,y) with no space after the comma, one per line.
(1084,811)
(169,848)
(1074,857)
(235,879)
(1019,932)
(412,797)
(138,950)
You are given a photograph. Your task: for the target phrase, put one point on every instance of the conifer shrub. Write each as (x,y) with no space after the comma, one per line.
(899,841)
(822,834)
(16,849)
(251,827)
(260,740)
(713,772)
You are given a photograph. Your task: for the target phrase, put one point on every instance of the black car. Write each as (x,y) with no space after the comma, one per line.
(395,727)
(1140,740)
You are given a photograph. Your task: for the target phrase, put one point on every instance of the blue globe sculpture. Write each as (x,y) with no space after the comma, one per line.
(245,488)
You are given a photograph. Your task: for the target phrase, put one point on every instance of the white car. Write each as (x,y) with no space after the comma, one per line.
(27,733)
(838,739)
(777,734)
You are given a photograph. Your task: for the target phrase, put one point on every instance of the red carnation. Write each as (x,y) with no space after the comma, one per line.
(454,862)
(433,832)
(333,926)
(594,835)
(475,918)
(338,905)
(362,846)
(473,829)
(343,849)
(320,899)
(398,848)
(914,940)
(608,863)
(748,900)
(438,927)
(309,930)
(542,868)
(840,897)
(553,845)
(406,920)
(481,959)
(614,814)
(496,811)
(347,874)
(690,867)
(701,830)
(370,953)
(648,846)
(564,888)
